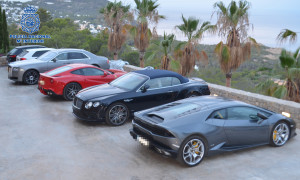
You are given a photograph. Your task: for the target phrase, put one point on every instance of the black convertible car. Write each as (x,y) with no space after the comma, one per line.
(117,101)
(192,128)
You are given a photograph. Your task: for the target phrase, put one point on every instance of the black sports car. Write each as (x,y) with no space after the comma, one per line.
(115,102)
(192,128)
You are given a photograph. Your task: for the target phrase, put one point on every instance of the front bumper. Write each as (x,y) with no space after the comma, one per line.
(15,75)
(86,115)
(158,143)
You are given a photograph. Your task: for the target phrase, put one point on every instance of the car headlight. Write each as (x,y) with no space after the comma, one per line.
(88,105)
(96,104)
(15,69)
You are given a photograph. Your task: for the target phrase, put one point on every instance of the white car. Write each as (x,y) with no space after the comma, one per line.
(28,54)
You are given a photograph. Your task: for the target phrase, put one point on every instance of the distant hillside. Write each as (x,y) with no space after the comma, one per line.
(75,9)
(85,10)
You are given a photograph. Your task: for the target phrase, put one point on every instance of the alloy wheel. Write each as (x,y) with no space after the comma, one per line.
(31,77)
(118,114)
(281,134)
(193,152)
(72,91)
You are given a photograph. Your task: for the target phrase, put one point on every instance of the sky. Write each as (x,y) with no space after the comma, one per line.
(268,17)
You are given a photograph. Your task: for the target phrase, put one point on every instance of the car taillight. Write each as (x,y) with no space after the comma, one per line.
(22,59)
(107,61)
(13,56)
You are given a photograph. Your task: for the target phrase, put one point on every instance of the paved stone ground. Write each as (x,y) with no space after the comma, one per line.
(40,139)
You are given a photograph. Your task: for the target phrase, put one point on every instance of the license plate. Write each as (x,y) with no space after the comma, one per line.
(143,141)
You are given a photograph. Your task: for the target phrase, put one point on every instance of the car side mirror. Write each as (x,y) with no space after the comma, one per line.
(144,88)
(105,74)
(54,60)
(262,116)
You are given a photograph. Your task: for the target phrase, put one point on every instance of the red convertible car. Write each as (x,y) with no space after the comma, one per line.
(69,79)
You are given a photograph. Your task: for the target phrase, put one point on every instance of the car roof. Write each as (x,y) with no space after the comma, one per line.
(39,49)
(81,65)
(28,46)
(67,49)
(156,73)
(213,102)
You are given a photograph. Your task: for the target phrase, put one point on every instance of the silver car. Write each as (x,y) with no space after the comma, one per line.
(28,71)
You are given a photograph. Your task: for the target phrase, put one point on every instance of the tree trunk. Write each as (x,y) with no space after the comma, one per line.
(165,63)
(115,56)
(228,79)
(142,64)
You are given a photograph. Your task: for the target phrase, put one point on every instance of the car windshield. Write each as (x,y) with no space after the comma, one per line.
(58,70)
(129,81)
(47,56)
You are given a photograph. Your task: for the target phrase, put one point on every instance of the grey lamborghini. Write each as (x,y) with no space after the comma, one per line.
(193,128)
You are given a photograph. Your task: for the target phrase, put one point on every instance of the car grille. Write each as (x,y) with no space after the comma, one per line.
(77,102)
(152,129)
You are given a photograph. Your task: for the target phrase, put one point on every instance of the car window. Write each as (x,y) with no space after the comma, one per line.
(219,114)
(244,113)
(47,56)
(76,55)
(175,81)
(160,82)
(63,56)
(78,72)
(154,83)
(58,70)
(39,53)
(19,51)
(23,53)
(92,72)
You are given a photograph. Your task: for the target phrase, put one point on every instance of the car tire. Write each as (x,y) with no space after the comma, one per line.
(70,90)
(192,151)
(280,134)
(117,114)
(31,77)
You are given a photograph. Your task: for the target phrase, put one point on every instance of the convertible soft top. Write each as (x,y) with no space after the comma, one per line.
(156,73)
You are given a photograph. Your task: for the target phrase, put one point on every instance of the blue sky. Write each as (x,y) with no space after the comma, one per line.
(268,17)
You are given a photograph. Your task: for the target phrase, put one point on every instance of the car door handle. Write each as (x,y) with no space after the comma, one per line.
(170,91)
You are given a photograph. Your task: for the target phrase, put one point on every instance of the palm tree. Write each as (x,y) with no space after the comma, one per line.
(116,16)
(190,54)
(290,89)
(147,13)
(287,35)
(166,45)
(233,24)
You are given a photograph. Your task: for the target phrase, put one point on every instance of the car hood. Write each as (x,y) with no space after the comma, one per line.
(25,62)
(99,91)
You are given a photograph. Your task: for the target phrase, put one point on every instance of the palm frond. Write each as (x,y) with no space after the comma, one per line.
(281,92)
(286,60)
(287,35)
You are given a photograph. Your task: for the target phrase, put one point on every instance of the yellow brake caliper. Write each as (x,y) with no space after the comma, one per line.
(194,144)
(274,135)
